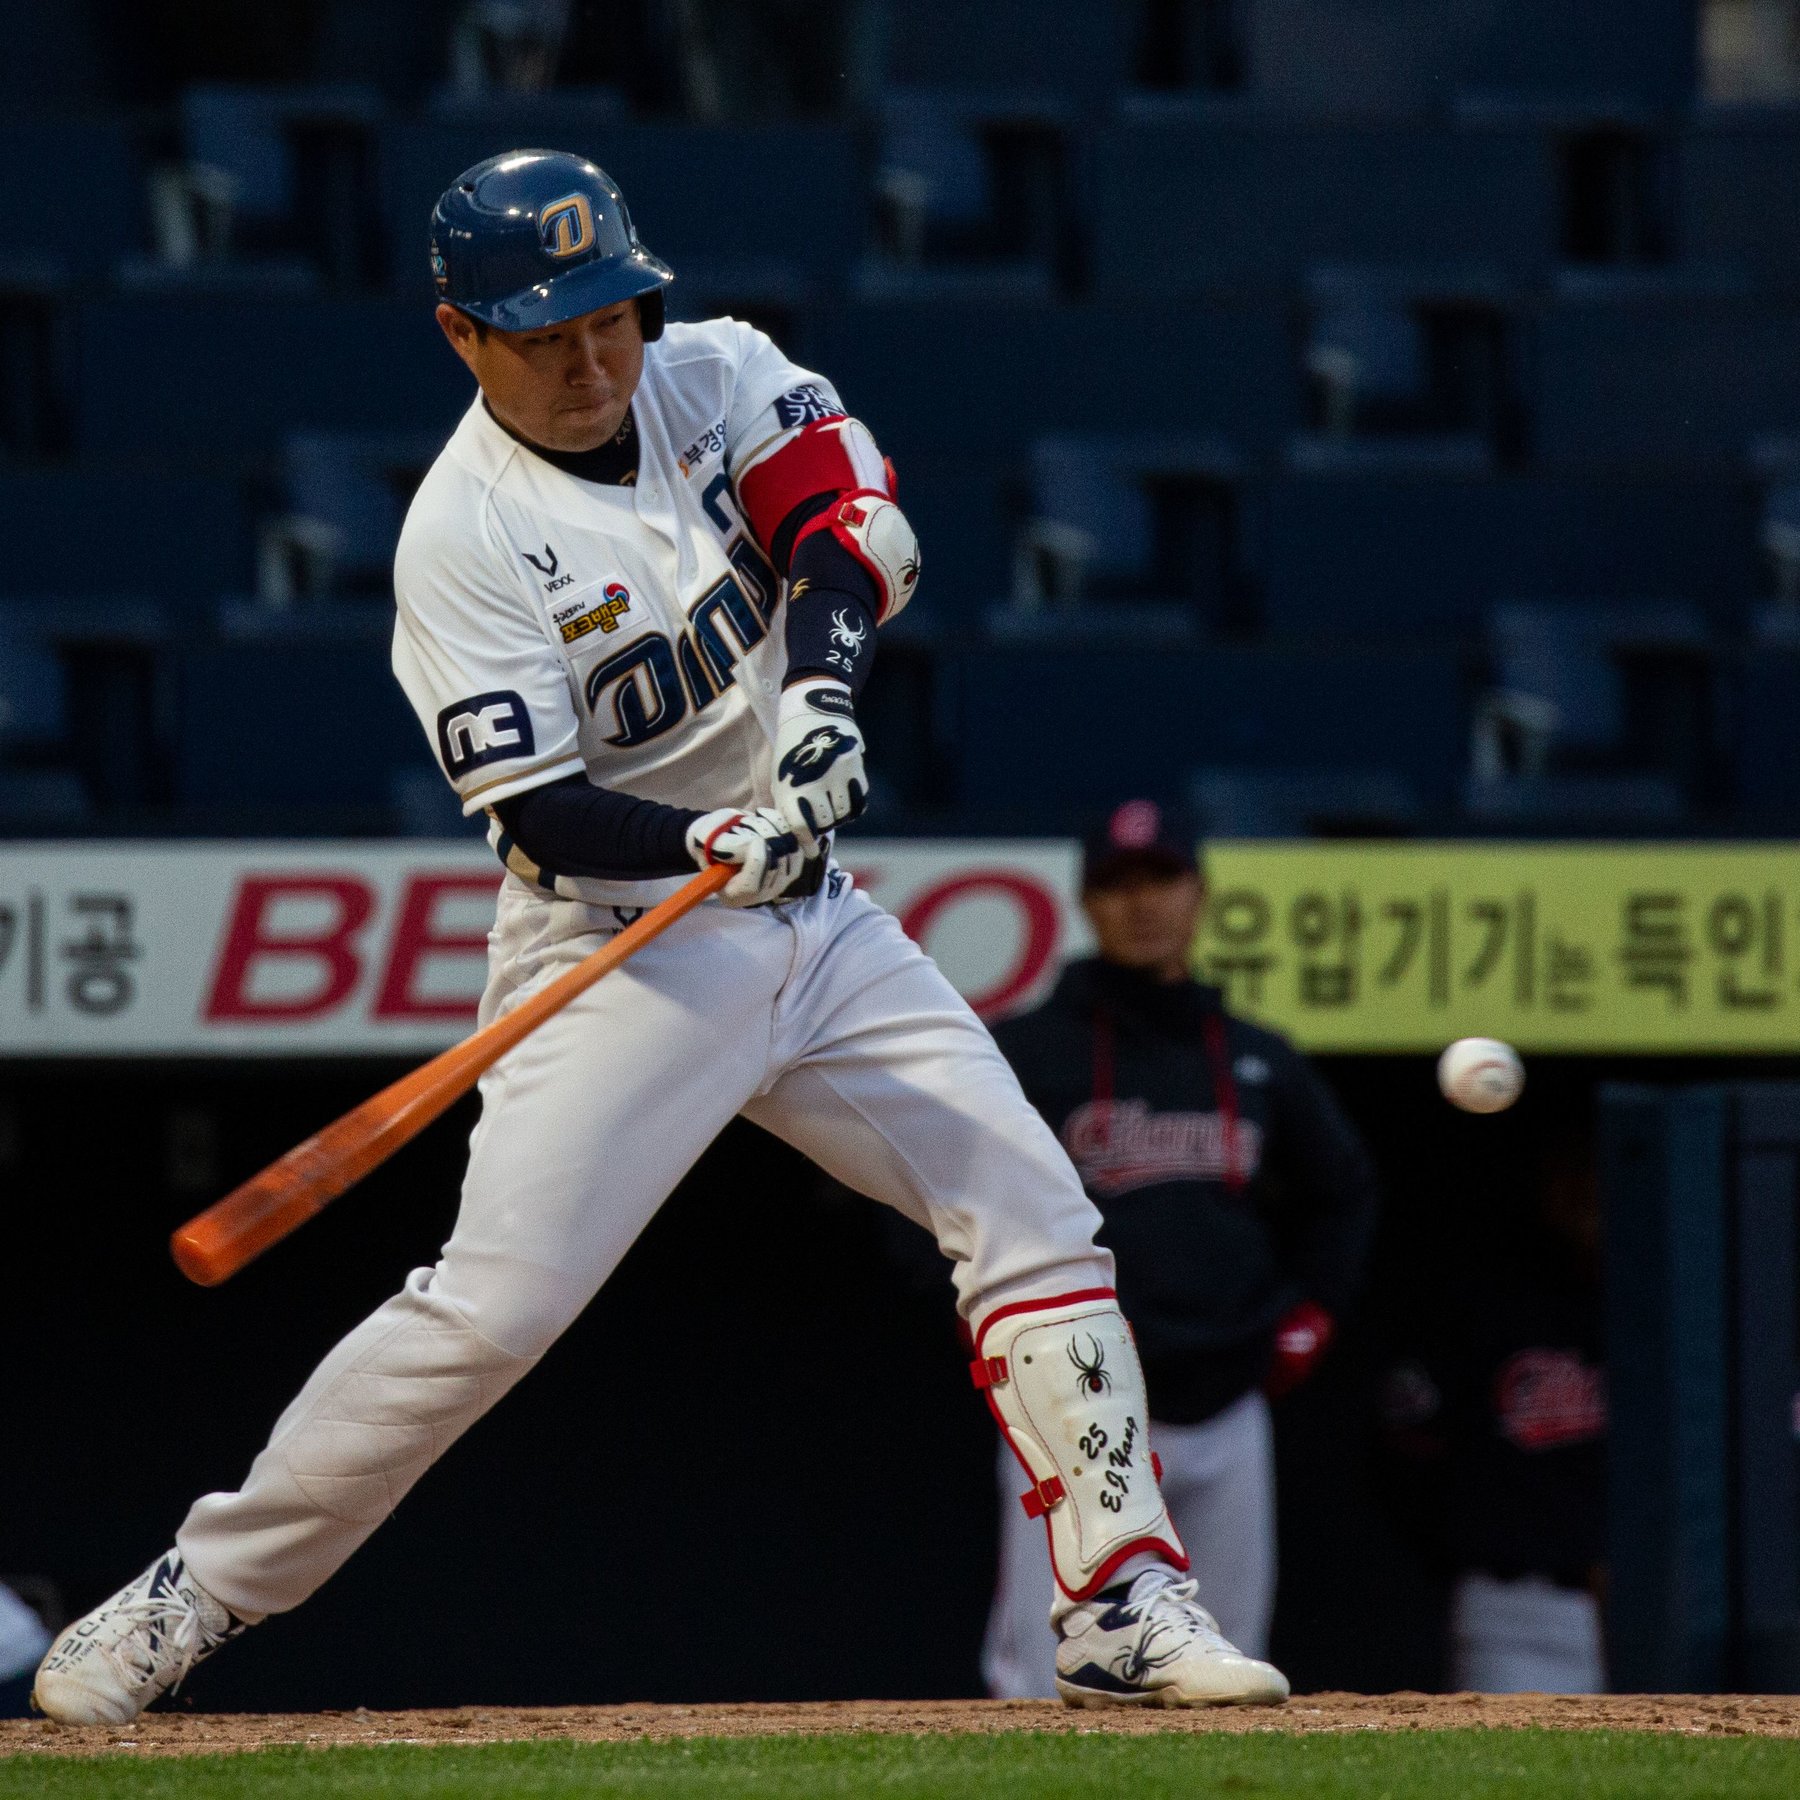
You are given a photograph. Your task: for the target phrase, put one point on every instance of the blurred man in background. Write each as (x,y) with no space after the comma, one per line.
(1494,1407)
(1238,1203)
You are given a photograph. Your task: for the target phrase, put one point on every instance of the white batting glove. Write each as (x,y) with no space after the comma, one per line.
(766,852)
(819,779)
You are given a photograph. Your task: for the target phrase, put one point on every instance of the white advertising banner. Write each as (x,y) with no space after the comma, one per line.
(367,948)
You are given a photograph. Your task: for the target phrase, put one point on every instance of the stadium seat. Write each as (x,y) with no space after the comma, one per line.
(1407,58)
(1158,516)
(233,375)
(1223,199)
(300,159)
(985,380)
(1419,352)
(1580,659)
(684,184)
(1372,553)
(359,484)
(970,176)
(33,693)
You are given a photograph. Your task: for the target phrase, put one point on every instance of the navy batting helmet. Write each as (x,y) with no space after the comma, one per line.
(537,237)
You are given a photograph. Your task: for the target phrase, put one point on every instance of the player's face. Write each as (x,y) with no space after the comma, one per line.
(1145,919)
(567,387)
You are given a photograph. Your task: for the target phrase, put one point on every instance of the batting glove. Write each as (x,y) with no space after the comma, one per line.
(819,779)
(766,853)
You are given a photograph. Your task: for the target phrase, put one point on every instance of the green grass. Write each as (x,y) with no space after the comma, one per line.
(1444,1765)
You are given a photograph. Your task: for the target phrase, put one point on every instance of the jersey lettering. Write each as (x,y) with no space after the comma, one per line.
(654,680)
(804,405)
(484,728)
(644,688)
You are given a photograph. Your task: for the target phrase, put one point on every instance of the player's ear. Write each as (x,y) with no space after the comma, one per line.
(460,329)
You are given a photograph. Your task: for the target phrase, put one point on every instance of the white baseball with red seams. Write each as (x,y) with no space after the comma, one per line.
(1481,1075)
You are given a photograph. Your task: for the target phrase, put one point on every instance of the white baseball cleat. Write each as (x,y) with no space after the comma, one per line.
(132,1649)
(1156,1645)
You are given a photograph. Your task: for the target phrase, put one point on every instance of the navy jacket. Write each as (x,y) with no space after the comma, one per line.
(1141,1081)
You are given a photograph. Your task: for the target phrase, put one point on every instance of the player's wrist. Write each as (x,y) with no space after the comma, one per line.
(810,695)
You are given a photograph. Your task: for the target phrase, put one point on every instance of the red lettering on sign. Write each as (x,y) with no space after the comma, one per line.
(417,936)
(1038,913)
(249,939)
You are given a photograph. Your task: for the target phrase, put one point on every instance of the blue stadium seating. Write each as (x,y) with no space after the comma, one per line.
(1377,555)
(1738,191)
(183,538)
(33,696)
(1220,199)
(715,198)
(247,131)
(218,378)
(1118,716)
(1321,361)
(1407,58)
(988,379)
(359,484)
(1662,373)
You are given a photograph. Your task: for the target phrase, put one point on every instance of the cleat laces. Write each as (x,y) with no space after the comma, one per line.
(165,1638)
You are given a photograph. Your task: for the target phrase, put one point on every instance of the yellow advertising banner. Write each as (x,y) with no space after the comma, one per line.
(1363,946)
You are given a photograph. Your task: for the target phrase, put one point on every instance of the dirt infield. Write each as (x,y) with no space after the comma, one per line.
(179,1733)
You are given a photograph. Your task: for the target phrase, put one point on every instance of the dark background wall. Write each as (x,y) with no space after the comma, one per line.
(760,1434)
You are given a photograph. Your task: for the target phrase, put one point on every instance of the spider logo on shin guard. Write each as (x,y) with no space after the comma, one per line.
(1091,1367)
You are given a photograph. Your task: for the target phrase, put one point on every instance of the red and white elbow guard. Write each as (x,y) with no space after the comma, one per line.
(836,456)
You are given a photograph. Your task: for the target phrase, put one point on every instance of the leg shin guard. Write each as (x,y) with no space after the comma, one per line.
(1063,1380)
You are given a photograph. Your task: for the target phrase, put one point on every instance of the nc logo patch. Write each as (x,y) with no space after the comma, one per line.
(566,226)
(485,728)
(815,753)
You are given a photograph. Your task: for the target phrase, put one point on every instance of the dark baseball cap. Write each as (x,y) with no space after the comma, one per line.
(1140,835)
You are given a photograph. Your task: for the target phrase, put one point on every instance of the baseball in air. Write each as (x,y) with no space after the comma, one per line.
(1481,1075)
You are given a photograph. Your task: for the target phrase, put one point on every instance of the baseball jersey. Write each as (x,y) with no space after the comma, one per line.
(549,625)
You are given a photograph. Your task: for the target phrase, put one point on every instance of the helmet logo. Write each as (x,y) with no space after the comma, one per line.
(566,226)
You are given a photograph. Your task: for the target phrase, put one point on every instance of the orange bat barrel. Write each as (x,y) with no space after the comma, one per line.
(214,1245)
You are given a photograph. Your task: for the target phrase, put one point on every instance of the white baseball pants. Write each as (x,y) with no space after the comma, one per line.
(1527,1636)
(1218,1479)
(818,1020)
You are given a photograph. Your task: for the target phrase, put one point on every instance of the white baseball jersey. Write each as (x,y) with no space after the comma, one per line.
(549,625)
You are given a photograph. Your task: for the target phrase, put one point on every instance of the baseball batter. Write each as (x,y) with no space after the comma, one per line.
(638,594)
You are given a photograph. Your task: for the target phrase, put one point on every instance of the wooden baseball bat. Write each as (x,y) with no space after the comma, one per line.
(213,1246)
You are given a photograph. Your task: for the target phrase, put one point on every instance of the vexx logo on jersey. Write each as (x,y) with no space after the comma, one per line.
(548,564)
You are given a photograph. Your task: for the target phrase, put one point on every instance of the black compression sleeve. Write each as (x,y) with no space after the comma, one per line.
(832,608)
(572,827)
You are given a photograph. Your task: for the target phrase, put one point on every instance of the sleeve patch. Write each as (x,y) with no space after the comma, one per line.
(806,405)
(485,728)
